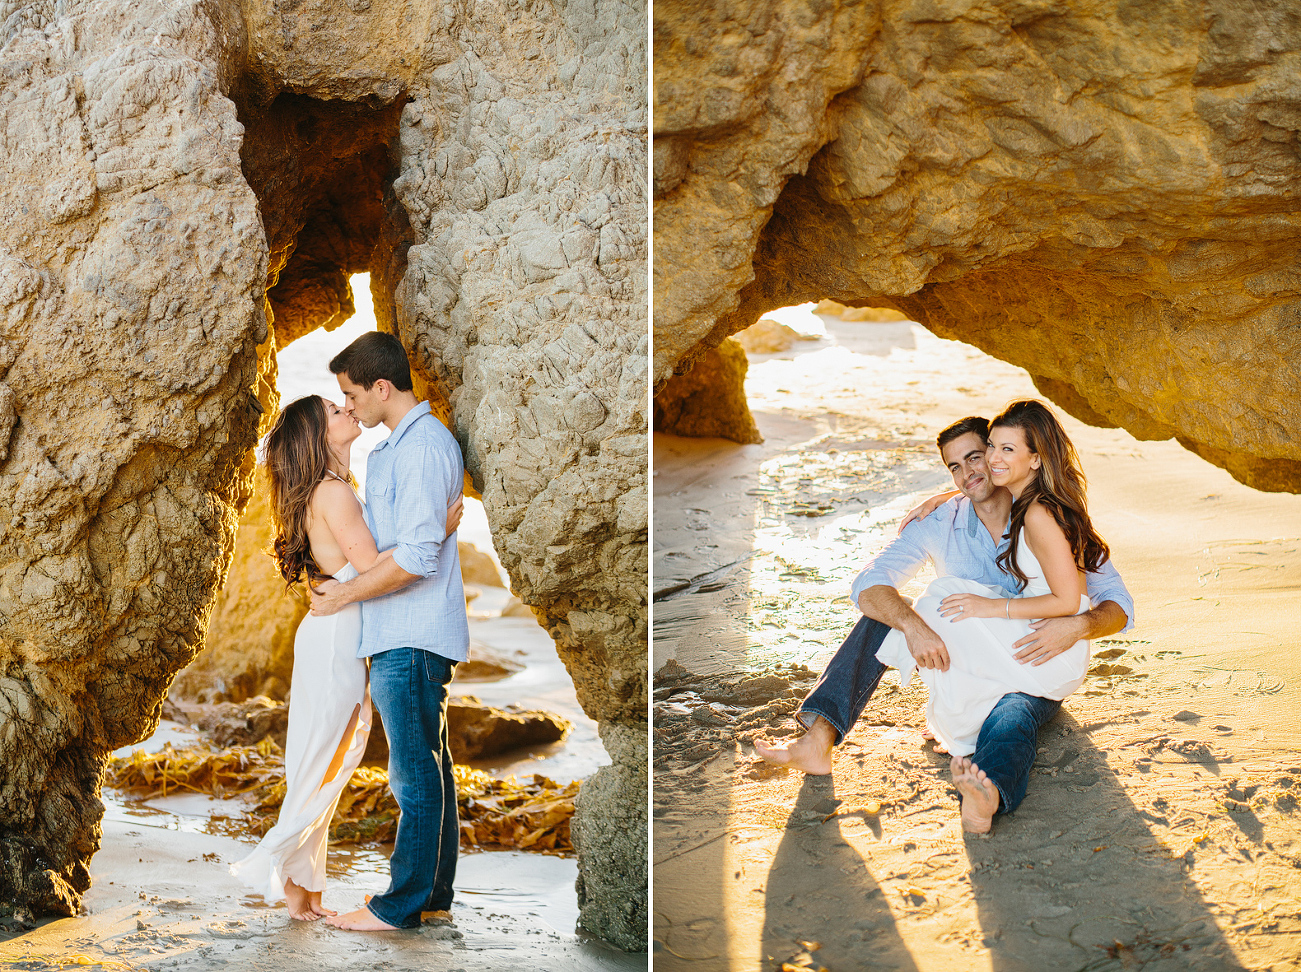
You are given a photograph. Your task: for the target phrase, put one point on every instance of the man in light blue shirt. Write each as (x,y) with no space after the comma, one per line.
(413,623)
(963,539)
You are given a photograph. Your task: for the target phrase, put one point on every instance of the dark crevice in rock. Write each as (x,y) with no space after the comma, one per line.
(321,171)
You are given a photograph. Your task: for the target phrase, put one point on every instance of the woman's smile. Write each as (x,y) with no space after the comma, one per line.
(1011,462)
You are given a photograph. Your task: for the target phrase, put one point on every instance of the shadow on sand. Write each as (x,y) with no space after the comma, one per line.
(1076,880)
(847,895)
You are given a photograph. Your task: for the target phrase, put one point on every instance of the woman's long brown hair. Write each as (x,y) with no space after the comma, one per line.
(1059,486)
(297,455)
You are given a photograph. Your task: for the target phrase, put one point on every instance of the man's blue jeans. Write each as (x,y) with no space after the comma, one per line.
(409,688)
(1008,740)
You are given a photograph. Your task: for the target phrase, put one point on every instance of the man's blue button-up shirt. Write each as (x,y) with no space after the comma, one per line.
(411,479)
(957,543)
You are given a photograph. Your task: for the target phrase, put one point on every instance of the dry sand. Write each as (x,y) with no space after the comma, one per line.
(1161,826)
(163,898)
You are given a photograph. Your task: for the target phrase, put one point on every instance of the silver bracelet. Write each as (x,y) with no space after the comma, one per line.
(1008,611)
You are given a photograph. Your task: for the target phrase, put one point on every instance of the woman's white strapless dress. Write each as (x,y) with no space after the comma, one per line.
(329,722)
(982,668)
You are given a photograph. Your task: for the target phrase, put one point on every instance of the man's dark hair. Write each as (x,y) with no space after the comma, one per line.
(373,356)
(972,423)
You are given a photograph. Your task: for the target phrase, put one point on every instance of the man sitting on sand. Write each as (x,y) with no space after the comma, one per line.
(962,538)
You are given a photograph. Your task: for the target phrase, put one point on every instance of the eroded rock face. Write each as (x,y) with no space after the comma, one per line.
(165,166)
(709,399)
(249,642)
(1103,195)
(132,272)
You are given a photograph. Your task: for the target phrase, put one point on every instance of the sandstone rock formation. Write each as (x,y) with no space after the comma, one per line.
(873,314)
(478,731)
(477,567)
(766,336)
(486,664)
(187,186)
(1103,193)
(709,399)
(249,646)
(233,723)
(475,730)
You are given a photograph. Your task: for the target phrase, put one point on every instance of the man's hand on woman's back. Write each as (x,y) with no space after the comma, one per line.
(454,513)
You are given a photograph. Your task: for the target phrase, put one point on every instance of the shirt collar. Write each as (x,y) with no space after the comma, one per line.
(973,524)
(417,412)
(974,527)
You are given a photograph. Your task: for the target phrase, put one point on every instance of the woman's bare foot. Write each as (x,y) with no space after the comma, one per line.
(320,910)
(810,753)
(360,920)
(299,902)
(979,795)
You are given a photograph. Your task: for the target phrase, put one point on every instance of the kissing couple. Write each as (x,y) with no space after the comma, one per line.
(387,626)
(1001,636)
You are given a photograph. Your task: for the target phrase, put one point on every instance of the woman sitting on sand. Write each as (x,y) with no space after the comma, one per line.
(320,532)
(1052,544)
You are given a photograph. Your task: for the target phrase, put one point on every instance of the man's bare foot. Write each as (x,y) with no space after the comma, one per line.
(979,795)
(359,920)
(299,902)
(810,753)
(320,910)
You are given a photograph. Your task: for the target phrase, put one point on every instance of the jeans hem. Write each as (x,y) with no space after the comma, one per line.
(1003,807)
(370,906)
(815,712)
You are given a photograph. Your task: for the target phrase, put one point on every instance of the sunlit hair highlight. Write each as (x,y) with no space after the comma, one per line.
(297,455)
(1059,485)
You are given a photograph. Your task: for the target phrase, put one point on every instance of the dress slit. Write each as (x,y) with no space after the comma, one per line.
(329,723)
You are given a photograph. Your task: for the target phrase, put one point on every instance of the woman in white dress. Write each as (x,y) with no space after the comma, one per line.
(1052,544)
(320,532)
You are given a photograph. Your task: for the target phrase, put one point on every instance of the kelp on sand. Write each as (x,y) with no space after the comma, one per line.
(532,815)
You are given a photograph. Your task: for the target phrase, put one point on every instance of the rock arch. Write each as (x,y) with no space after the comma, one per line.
(188,186)
(1102,194)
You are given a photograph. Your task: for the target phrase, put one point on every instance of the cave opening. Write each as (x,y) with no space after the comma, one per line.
(322,174)
(827,414)
(337,237)
(337,240)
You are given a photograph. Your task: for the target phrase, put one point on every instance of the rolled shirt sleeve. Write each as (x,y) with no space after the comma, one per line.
(896,565)
(424,484)
(1105,584)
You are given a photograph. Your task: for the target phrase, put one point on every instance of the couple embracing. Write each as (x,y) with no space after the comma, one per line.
(1002,635)
(387,625)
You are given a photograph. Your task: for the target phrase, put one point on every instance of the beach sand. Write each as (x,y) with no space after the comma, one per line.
(1161,826)
(163,897)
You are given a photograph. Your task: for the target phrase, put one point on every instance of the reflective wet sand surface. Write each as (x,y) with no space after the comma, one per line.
(163,898)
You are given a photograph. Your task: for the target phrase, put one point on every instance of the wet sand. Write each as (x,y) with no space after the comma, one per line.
(1161,826)
(163,899)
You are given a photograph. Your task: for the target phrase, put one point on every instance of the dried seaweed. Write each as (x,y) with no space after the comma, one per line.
(532,815)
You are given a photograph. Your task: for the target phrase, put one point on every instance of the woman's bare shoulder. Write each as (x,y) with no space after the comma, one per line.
(1039,520)
(332,495)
